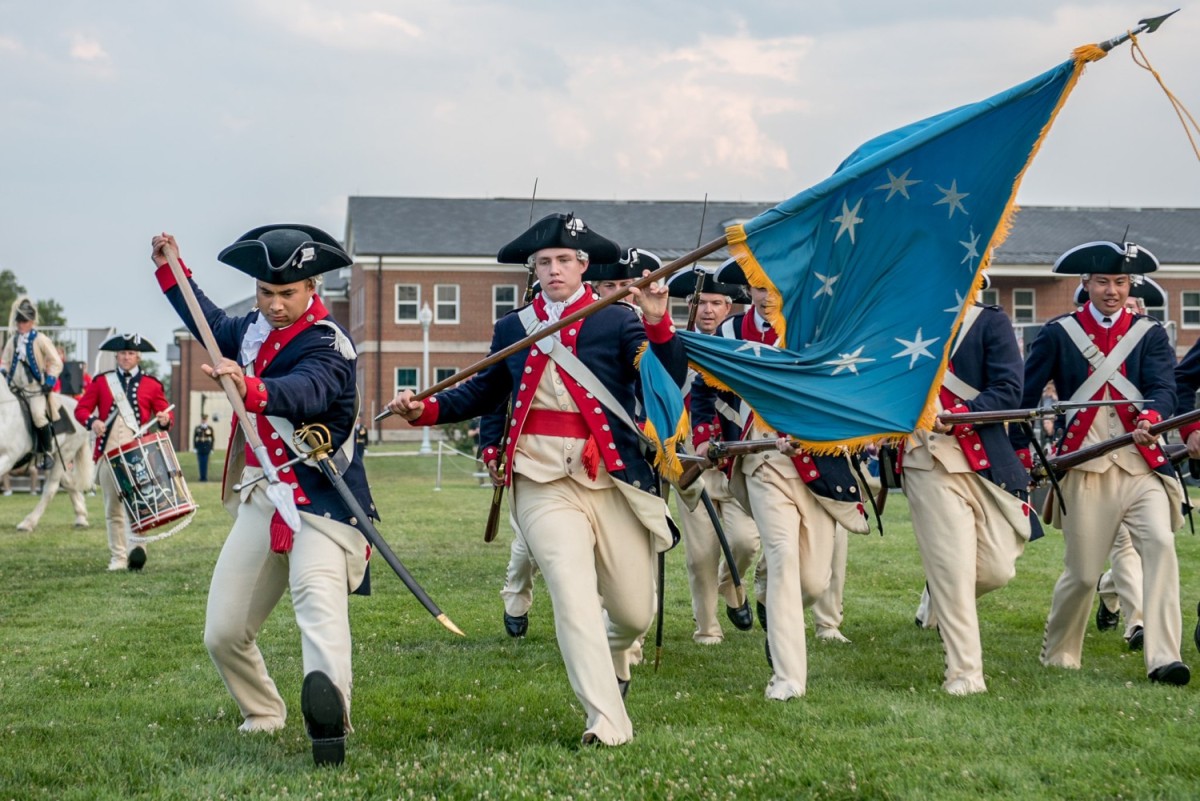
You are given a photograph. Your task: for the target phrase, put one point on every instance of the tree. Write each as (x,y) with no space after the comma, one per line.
(10,290)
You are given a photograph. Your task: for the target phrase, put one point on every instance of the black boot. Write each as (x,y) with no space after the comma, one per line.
(324,717)
(44,446)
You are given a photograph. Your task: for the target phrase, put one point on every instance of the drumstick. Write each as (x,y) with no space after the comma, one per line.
(279,493)
(146,426)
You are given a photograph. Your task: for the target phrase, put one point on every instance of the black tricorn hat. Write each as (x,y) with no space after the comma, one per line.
(1146,288)
(128,342)
(1106,258)
(683,283)
(730,272)
(630,266)
(284,253)
(560,231)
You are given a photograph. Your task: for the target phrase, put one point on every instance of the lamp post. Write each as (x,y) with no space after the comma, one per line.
(425,317)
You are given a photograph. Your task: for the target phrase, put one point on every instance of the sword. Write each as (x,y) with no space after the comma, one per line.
(317,439)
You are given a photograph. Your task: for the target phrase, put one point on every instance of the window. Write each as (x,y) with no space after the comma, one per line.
(446,299)
(408,301)
(679,312)
(1024,305)
(504,300)
(440,374)
(1190,309)
(990,297)
(406,378)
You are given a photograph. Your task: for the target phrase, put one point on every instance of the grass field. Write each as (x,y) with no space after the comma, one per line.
(106,690)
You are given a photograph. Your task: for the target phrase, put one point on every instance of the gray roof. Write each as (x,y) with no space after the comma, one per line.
(474,227)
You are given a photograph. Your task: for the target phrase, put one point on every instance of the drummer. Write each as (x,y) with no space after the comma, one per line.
(115,405)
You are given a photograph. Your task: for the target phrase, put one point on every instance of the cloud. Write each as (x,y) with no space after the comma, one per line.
(86,49)
(339,26)
(10,45)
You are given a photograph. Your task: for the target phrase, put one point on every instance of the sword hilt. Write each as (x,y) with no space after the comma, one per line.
(316,438)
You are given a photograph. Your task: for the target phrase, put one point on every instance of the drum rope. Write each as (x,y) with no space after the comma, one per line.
(180,526)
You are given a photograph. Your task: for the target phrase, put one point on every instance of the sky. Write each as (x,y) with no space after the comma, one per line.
(122,119)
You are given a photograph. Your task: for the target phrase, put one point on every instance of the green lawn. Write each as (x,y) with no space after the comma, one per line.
(106,690)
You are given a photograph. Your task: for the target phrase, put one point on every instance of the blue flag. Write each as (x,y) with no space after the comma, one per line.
(869,270)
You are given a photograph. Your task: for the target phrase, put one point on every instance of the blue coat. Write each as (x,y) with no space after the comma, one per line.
(1150,367)
(989,359)
(608,343)
(308,381)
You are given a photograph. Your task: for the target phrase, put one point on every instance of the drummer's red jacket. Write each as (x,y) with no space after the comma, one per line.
(96,403)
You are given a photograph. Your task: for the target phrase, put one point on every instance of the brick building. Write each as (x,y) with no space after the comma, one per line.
(439,253)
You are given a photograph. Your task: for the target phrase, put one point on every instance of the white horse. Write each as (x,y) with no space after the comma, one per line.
(76,476)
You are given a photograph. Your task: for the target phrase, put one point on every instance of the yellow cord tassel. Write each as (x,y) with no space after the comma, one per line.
(1139,58)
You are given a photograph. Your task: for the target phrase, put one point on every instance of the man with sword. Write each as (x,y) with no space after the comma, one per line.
(116,406)
(292,365)
(583,494)
(1101,352)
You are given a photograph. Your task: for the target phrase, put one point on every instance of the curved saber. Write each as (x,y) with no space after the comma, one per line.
(317,438)
(1148,25)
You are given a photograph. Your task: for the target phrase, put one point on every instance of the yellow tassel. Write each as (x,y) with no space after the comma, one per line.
(1088,53)
(637,360)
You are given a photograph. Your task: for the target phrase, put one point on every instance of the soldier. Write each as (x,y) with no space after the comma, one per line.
(967,492)
(584,497)
(1187,378)
(1102,352)
(202,444)
(293,365)
(798,500)
(31,365)
(360,438)
(517,593)
(115,406)
(709,577)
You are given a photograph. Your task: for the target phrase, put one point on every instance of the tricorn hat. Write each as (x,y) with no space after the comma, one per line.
(560,231)
(23,311)
(128,342)
(1146,288)
(683,283)
(284,253)
(630,266)
(1106,258)
(730,272)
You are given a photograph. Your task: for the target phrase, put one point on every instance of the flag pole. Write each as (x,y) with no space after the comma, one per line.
(591,308)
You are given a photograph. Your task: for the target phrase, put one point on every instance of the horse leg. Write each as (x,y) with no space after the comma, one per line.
(81,513)
(49,489)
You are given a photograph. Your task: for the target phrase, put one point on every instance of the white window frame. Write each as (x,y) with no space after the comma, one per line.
(440,374)
(516,301)
(440,304)
(401,387)
(1185,307)
(1031,306)
(416,305)
(990,297)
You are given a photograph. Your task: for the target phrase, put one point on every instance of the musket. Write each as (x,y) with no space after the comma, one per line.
(316,438)
(492,526)
(279,492)
(586,311)
(717,451)
(1009,415)
(694,306)
(1063,463)
(1149,25)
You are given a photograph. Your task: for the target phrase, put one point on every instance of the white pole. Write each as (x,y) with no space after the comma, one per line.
(437,486)
(426,317)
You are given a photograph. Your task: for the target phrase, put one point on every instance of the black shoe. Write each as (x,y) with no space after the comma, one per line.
(44,461)
(761,608)
(516,625)
(1106,620)
(137,558)
(590,739)
(767,648)
(741,617)
(324,718)
(1175,673)
(1136,639)
(623,684)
